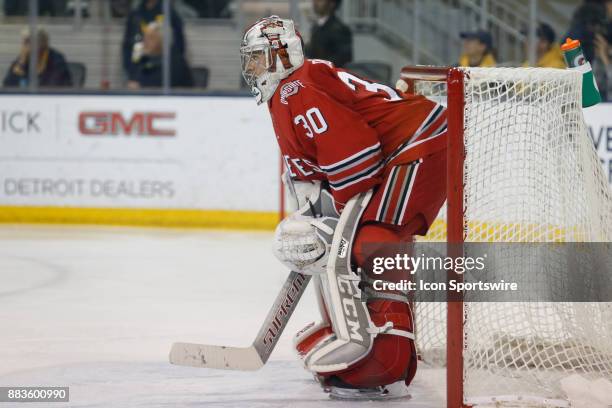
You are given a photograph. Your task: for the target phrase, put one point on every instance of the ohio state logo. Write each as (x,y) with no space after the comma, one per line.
(290,88)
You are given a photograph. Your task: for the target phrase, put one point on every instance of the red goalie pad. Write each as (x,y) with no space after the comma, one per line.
(392,357)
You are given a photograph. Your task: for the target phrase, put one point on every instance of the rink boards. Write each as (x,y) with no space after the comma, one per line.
(152,160)
(138,160)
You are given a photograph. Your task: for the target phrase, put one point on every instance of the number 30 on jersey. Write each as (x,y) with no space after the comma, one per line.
(313,122)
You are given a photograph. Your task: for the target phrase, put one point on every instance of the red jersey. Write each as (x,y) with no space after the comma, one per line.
(332,125)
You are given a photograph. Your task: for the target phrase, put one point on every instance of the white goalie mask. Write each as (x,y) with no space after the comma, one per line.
(271,50)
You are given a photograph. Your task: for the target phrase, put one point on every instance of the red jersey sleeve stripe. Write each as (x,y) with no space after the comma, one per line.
(439,126)
(340,177)
(353,179)
(419,149)
(352,161)
(436,113)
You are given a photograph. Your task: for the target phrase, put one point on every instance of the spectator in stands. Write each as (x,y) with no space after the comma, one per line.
(602,64)
(602,68)
(52,68)
(588,19)
(148,72)
(330,38)
(548,52)
(591,24)
(477,49)
(148,11)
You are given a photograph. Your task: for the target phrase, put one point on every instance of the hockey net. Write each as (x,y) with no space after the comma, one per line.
(530,174)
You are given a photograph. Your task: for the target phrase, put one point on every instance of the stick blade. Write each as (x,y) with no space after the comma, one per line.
(219,357)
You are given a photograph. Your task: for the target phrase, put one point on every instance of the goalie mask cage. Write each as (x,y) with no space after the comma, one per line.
(521,168)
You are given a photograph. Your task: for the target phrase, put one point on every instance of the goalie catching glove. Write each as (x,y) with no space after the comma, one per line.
(302,240)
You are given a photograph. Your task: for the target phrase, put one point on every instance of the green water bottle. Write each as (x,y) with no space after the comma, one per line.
(574,59)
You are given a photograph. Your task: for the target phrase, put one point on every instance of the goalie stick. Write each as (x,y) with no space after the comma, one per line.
(253,357)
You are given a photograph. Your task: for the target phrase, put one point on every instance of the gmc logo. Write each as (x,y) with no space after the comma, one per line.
(115,124)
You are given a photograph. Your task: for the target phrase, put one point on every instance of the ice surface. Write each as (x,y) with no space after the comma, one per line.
(96,309)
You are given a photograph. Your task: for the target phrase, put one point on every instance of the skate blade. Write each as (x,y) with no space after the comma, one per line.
(344,394)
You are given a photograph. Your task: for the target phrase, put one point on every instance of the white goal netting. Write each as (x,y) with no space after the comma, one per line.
(531,174)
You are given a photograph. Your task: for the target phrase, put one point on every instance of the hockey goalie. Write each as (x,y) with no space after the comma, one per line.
(366,166)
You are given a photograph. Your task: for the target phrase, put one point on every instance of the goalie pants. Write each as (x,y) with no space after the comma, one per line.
(409,190)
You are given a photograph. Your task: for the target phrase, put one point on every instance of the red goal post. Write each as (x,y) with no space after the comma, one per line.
(454,78)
